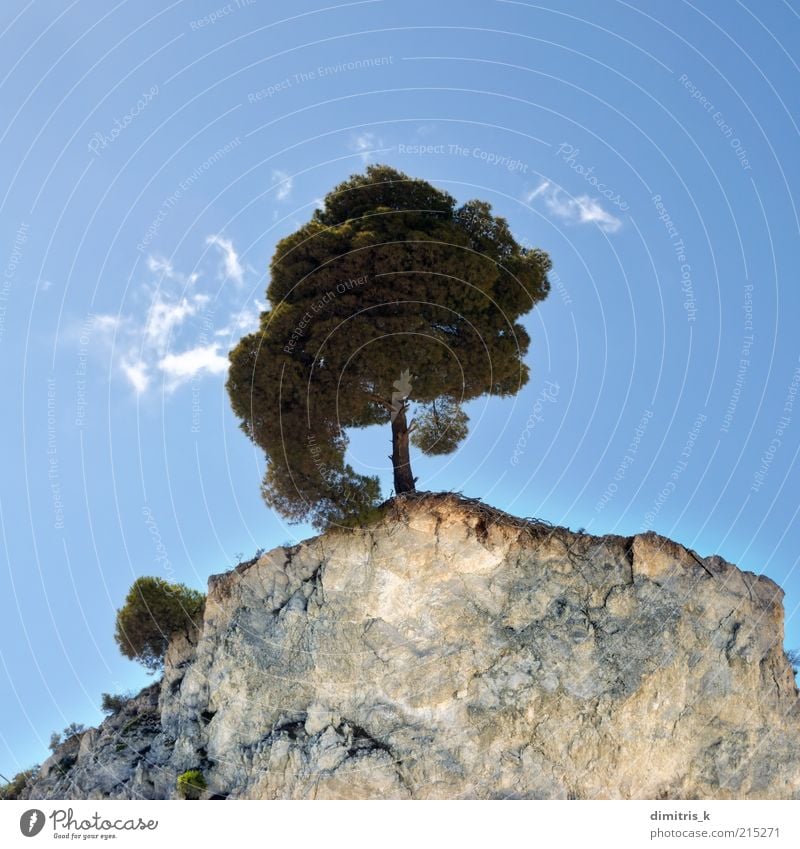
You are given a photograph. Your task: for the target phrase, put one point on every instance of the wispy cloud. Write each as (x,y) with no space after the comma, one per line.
(163,267)
(285,184)
(232,267)
(160,265)
(245,321)
(165,316)
(174,332)
(204,359)
(574,210)
(365,144)
(136,372)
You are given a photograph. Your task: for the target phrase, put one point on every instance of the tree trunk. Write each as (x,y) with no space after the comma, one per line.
(403,476)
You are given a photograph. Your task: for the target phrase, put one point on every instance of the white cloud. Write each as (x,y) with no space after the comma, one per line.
(245,321)
(173,332)
(285,184)
(233,268)
(574,210)
(160,264)
(205,359)
(136,373)
(365,144)
(164,317)
(106,323)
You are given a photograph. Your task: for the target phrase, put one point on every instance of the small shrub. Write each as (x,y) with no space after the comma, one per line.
(72,729)
(141,720)
(55,741)
(110,703)
(14,788)
(793,656)
(191,784)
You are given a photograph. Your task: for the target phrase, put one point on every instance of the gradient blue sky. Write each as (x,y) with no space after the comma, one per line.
(153,154)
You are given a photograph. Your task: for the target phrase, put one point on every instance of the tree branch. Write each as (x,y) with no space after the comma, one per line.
(378,400)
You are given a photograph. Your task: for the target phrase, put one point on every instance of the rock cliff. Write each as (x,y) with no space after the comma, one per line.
(454,651)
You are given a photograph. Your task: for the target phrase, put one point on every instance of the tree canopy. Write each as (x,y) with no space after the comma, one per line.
(390,294)
(154,609)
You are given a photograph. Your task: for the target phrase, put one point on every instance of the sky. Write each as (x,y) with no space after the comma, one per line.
(152,155)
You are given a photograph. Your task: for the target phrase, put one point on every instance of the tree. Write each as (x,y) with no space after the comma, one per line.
(15,787)
(154,609)
(390,295)
(113,703)
(72,729)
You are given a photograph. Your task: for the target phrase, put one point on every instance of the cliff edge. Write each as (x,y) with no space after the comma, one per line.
(453,651)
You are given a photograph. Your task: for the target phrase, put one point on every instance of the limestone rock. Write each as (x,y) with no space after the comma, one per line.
(454,651)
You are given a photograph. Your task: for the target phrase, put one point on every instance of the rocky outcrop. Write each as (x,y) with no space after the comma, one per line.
(453,651)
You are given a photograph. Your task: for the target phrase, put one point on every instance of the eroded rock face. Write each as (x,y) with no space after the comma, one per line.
(452,651)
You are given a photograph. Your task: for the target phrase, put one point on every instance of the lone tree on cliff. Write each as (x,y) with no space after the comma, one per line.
(154,609)
(389,294)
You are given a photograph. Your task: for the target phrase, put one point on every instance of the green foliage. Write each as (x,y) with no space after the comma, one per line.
(72,729)
(191,784)
(154,610)
(143,719)
(14,788)
(389,275)
(112,703)
(57,739)
(440,427)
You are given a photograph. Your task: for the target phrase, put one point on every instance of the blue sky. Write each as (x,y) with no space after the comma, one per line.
(153,154)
